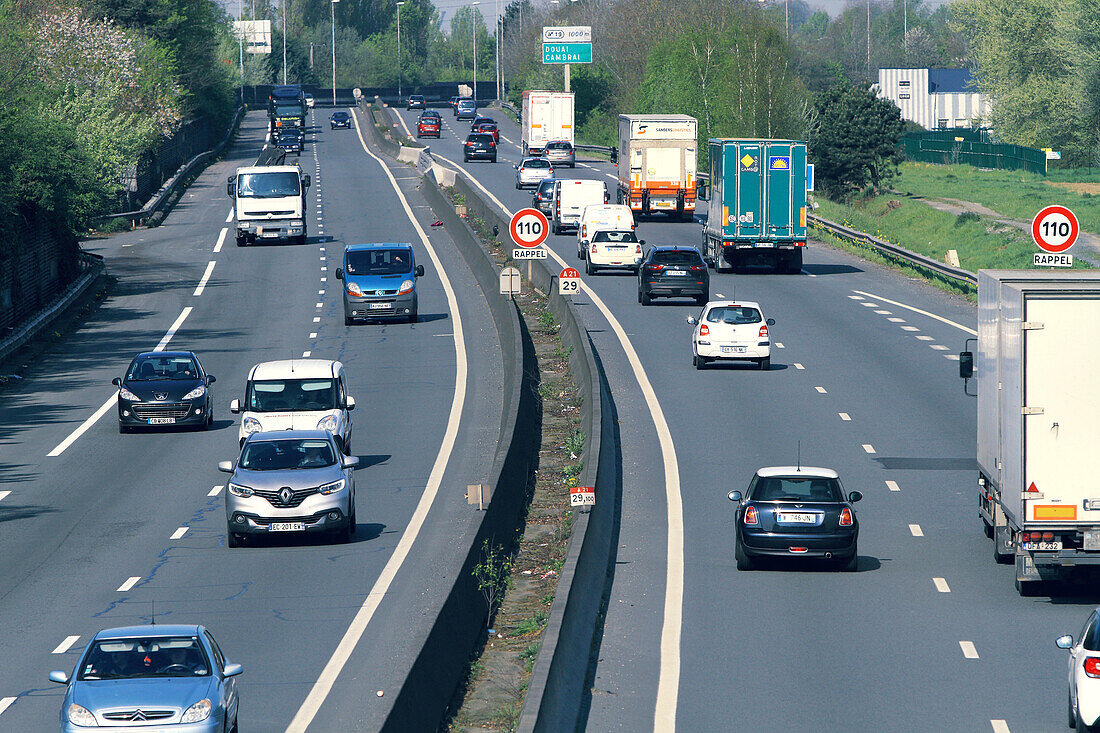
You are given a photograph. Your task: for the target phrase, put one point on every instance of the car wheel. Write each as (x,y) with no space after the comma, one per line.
(233,539)
(744,562)
(588,268)
(702,299)
(644,297)
(699,362)
(1071,714)
(209,419)
(1080,724)
(851,564)
(518,187)
(765,363)
(493,159)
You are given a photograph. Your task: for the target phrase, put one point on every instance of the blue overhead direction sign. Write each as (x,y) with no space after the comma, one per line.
(567,53)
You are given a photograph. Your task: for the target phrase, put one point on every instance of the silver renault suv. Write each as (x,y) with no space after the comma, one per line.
(290,481)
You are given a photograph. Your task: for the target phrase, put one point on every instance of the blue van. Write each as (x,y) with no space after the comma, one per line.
(379,281)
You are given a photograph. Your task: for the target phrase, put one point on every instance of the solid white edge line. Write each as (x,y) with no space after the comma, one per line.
(668,681)
(221,239)
(179,533)
(128,584)
(5,703)
(205,277)
(968,649)
(65,645)
(230,217)
(4,495)
(933,316)
(354,633)
(401,119)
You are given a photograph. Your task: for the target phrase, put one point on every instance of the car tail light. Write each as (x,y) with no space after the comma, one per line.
(638,249)
(654,268)
(1024,536)
(798,550)
(584,230)
(763,331)
(698,267)
(845,517)
(468,143)
(1092,666)
(704,330)
(750,516)
(593,248)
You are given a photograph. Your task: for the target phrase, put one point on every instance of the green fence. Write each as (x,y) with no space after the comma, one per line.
(941,146)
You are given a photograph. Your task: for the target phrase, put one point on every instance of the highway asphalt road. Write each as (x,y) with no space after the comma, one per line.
(930,634)
(105,529)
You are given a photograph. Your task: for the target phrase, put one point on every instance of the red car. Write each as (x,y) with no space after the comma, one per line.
(489,128)
(428,127)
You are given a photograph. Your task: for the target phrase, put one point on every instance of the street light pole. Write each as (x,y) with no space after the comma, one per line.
(282,4)
(474,26)
(399,49)
(240,30)
(332,6)
(496,32)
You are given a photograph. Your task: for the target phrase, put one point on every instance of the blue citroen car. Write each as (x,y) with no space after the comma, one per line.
(379,282)
(172,677)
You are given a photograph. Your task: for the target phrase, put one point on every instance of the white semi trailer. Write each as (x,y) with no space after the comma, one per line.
(546,117)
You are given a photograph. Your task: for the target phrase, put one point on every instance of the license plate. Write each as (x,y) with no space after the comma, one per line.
(1044,546)
(733,349)
(379,306)
(616,249)
(162,421)
(676,273)
(765,244)
(287,527)
(792,518)
(270,234)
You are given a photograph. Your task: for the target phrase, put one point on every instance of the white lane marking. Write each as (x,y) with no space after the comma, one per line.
(306,353)
(319,305)
(321,249)
(401,119)
(324,279)
(821,390)
(968,649)
(779,345)
(65,645)
(798,366)
(885,313)
(5,703)
(317,319)
(933,316)
(924,338)
(941,585)
(313,334)
(952,357)
(893,486)
(324,269)
(60,448)
(340,656)
(856,297)
(845,416)
(895,319)
(4,495)
(502,137)
(668,680)
(999,726)
(869,304)
(130,583)
(808,273)
(229,218)
(720,295)
(320,292)
(205,277)
(868,448)
(172,331)
(221,240)
(179,533)
(915,530)
(938,347)
(215,491)
(909,328)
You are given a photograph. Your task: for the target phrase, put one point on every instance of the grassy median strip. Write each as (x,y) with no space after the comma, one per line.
(519,579)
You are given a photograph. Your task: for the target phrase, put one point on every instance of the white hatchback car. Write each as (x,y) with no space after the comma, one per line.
(1083,710)
(531,171)
(618,248)
(728,330)
(297,394)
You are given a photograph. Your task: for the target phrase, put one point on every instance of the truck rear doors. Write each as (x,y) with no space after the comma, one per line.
(764,189)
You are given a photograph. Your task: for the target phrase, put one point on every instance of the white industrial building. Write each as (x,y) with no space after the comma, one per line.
(934,98)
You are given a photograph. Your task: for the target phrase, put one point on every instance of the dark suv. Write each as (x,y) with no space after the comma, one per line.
(673,272)
(416,101)
(479,145)
(543,197)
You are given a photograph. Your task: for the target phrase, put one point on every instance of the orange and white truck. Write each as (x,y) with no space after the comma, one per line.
(657,158)
(546,117)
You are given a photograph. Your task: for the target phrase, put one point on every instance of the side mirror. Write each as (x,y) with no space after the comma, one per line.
(1062,642)
(306,180)
(350,403)
(855,496)
(117,381)
(62,678)
(231,189)
(350,461)
(232,670)
(966,364)
(210,379)
(225,466)
(734,496)
(770,321)
(420,270)
(235,406)
(515,166)
(692,320)
(339,273)
(641,241)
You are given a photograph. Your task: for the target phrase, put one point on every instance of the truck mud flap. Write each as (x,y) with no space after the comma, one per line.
(1026,570)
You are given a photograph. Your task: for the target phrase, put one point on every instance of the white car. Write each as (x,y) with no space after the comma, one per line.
(602,216)
(618,248)
(1084,675)
(729,330)
(309,100)
(531,171)
(297,394)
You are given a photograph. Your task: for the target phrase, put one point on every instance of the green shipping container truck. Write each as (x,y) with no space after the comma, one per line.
(757,204)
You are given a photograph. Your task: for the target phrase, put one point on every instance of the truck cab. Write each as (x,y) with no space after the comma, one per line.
(269,203)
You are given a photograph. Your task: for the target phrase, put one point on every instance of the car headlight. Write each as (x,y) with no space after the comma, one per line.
(327,423)
(240,490)
(251,425)
(333,487)
(79,715)
(197,713)
(196,393)
(296,223)
(406,287)
(126,394)
(354,289)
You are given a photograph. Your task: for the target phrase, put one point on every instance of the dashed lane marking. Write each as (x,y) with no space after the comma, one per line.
(4,495)
(893,486)
(895,319)
(909,328)
(65,645)
(215,491)
(306,354)
(205,278)
(968,649)
(5,703)
(821,390)
(313,335)
(779,345)
(855,297)
(845,416)
(933,316)
(868,448)
(924,338)
(915,530)
(317,319)
(229,218)
(221,240)
(884,313)
(179,533)
(941,585)
(798,366)
(999,726)
(939,347)
(130,583)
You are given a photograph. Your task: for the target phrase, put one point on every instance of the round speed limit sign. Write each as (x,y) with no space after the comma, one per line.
(529,228)
(1055,229)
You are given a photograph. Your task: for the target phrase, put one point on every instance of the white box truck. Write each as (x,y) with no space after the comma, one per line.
(546,116)
(1038,394)
(657,160)
(269,203)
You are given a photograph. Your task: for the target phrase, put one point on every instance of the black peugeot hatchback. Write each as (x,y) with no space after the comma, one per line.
(164,388)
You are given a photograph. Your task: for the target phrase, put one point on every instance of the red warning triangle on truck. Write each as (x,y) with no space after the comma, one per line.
(1033,489)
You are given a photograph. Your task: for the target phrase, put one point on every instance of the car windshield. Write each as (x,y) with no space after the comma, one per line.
(158,656)
(536,163)
(285,455)
(737,315)
(268,185)
(481,138)
(289,110)
(611,236)
(466,105)
(676,257)
(282,395)
(378,262)
(795,488)
(161,368)
(340,115)
(559,146)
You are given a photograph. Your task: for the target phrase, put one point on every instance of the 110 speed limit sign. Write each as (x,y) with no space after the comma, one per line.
(1055,229)
(529,228)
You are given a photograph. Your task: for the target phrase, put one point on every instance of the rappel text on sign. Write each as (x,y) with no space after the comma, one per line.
(529,254)
(1044,259)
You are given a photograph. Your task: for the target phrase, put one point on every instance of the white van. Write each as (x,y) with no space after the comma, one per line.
(571,197)
(297,394)
(602,216)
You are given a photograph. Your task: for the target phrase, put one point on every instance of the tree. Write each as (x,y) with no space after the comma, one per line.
(854,140)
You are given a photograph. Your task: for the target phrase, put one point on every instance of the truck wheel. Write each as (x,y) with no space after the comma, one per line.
(794,263)
(241,240)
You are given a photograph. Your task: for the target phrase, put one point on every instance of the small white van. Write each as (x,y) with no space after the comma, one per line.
(297,394)
(602,216)
(571,197)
